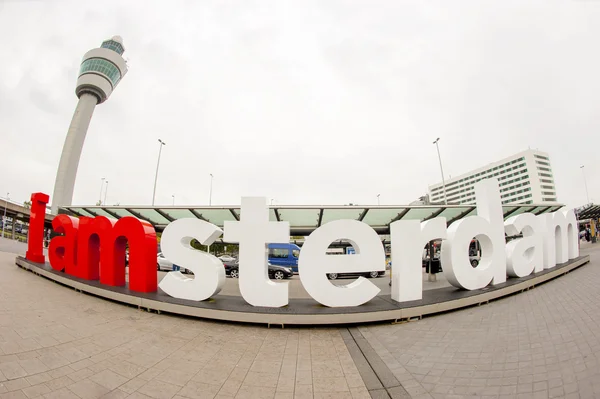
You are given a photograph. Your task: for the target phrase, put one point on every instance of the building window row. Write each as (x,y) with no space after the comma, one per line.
(542,162)
(548,187)
(518,199)
(516,193)
(487,173)
(515,186)
(541,157)
(549,199)
(544,169)
(547,181)
(548,193)
(514,174)
(470,191)
(114,46)
(544,174)
(102,66)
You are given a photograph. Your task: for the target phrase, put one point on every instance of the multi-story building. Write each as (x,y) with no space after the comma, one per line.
(524,178)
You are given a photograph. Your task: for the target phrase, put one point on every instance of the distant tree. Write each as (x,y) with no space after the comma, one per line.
(98,203)
(27,204)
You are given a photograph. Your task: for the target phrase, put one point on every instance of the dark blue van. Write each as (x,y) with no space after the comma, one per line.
(284,254)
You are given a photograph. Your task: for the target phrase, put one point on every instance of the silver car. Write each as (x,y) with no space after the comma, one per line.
(164,264)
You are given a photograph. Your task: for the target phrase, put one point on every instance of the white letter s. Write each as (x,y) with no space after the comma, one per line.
(208,270)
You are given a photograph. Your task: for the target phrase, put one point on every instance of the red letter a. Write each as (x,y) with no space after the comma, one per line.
(63,249)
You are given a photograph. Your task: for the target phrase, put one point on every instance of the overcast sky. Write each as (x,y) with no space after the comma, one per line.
(305,102)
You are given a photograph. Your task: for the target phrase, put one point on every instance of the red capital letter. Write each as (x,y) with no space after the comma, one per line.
(142,255)
(62,250)
(37,213)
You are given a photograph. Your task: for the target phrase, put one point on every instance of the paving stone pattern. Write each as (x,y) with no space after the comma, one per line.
(543,343)
(58,343)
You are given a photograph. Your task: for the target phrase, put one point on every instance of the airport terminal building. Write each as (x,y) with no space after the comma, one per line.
(524,178)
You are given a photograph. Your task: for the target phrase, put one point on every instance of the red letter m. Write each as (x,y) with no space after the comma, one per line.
(101,248)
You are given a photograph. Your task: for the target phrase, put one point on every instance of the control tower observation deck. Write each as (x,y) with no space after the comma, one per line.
(101,71)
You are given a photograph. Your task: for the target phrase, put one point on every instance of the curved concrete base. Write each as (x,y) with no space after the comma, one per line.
(306,311)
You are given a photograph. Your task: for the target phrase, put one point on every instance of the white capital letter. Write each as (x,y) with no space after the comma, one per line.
(488,228)
(314,263)
(408,239)
(254,232)
(209,272)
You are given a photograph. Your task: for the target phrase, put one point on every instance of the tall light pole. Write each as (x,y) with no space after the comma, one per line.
(585,183)
(105,192)
(173,199)
(157,165)
(210,193)
(441,169)
(378,203)
(4,217)
(101,187)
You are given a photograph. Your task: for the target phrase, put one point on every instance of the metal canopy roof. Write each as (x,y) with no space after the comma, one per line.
(305,219)
(589,212)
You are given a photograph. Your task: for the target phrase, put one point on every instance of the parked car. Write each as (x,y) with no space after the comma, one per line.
(437,265)
(284,254)
(226,258)
(232,269)
(163,264)
(373,274)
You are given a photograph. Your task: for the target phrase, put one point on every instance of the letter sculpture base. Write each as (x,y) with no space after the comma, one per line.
(304,311)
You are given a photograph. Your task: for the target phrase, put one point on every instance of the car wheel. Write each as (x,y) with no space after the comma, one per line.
(374,274)
(332,276)
(158,266)
(278,275)
(234,273)
(474,263)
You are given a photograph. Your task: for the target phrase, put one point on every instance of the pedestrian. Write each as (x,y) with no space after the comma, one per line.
(587,233)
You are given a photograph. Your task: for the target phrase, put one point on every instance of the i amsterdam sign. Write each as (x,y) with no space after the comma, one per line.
(94,249)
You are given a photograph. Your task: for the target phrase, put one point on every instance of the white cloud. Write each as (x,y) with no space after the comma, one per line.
(304,102)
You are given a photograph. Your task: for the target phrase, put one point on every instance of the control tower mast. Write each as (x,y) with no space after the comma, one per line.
(100,72)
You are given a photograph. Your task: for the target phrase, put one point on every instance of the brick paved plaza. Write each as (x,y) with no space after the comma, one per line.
(58,343)
(538,344)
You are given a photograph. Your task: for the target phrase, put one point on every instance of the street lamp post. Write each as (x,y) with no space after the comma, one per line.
(210,192)
(587,196)
(4,217)
(101,187)
(157,165)
(173,199)
(432,277)
(378,203)
(105,192)
(441,169)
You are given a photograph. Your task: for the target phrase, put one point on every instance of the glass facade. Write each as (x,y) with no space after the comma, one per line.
(307,218)
(114,46)
(102,66)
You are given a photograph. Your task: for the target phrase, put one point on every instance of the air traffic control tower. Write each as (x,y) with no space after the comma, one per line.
(101,71)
